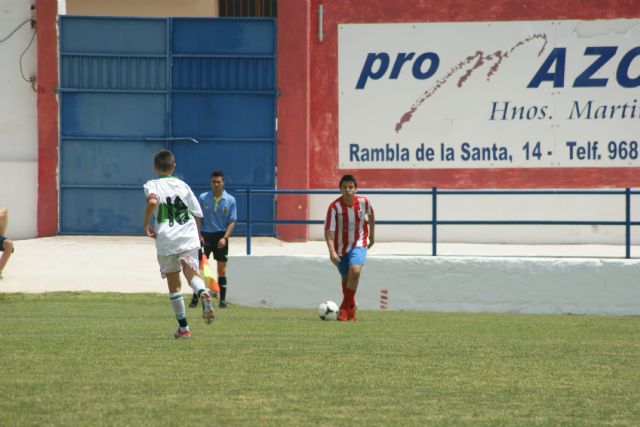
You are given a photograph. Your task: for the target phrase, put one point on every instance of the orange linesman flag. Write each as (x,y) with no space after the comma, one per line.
(207,275)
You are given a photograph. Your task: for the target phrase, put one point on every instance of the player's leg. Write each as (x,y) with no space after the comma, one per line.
(348,306)
(6,245)
(222,281)
(357,257)
(344,279)
(350,291)
(191,271)
(195,299)
(353,278)
(4,220)
(220,255)
(6,248)
(343,269)
(177,303)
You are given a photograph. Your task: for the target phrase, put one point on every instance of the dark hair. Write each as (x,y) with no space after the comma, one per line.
(164,161)
(347,178)
(216,173)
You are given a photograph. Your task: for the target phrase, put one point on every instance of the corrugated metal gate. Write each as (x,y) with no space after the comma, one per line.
(202,87)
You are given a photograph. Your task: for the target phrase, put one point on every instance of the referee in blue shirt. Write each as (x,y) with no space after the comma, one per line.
(219,218)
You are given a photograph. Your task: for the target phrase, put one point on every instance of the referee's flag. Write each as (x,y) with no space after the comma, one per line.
(207,274)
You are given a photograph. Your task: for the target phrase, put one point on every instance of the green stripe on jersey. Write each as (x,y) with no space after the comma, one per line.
(177,211)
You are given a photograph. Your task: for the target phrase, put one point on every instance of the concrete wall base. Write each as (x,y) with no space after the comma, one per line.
(491,284)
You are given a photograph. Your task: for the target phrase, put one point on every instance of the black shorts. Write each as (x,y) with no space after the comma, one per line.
(211,245)
(2,239)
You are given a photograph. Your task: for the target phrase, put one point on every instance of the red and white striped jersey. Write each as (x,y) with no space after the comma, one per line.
(349,224)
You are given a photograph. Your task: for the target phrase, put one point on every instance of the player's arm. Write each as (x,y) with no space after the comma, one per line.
(233,216)
(223,241)
(199,226)
(200,220)
(333,255)
(195,209)
(231,223)
(152,201)
(372,229)
(230,228)
(329,228)
(4,220)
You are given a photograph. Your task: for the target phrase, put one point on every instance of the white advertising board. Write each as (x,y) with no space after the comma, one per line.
(526,94)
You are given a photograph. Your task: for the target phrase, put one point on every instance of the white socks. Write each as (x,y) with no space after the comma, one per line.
(177,302)
(196,284)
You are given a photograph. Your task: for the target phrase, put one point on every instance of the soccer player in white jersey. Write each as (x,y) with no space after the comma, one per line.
(176,228)
(349,230)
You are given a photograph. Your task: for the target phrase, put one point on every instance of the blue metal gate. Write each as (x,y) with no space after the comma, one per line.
(202,87)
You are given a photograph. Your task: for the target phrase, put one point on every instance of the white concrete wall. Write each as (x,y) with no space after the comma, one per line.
(492,284)
(279,276)
(18,121)
(496,207)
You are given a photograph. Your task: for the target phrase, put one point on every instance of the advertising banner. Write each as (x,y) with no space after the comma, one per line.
(525,94)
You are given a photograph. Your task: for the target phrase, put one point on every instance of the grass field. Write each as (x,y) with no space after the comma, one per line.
(71,359)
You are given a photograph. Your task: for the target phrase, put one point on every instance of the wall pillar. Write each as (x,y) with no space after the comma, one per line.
(47,81)
(293,115)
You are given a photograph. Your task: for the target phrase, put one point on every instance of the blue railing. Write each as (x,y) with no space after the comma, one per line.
(435,221)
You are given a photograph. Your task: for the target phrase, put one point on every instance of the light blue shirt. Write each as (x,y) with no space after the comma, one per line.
(217,218)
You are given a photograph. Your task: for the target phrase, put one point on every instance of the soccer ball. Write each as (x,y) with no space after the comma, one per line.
(328,310)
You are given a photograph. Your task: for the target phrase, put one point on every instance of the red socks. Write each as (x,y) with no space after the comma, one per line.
(348,301)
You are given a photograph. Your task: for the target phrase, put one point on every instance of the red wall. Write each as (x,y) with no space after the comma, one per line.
(293,114)
(323,83)
(47,81)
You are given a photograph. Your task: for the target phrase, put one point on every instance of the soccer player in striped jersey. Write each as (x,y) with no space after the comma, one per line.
(349,230)
(176,230)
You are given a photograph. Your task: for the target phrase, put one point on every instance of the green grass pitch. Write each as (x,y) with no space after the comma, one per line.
(97,359)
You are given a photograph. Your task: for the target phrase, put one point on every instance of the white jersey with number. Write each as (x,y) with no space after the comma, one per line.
(175,226)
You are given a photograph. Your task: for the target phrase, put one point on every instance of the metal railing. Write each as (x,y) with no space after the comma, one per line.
(435,221)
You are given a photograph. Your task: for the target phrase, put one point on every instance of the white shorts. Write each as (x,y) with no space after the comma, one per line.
(172,264)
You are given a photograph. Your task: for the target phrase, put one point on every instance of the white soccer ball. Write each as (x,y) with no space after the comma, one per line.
(328,310)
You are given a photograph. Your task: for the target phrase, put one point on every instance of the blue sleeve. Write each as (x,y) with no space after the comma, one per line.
(233,216)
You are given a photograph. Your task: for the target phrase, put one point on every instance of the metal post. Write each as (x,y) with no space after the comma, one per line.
(169,91)
(249,221)
(627,220)
(434,221)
